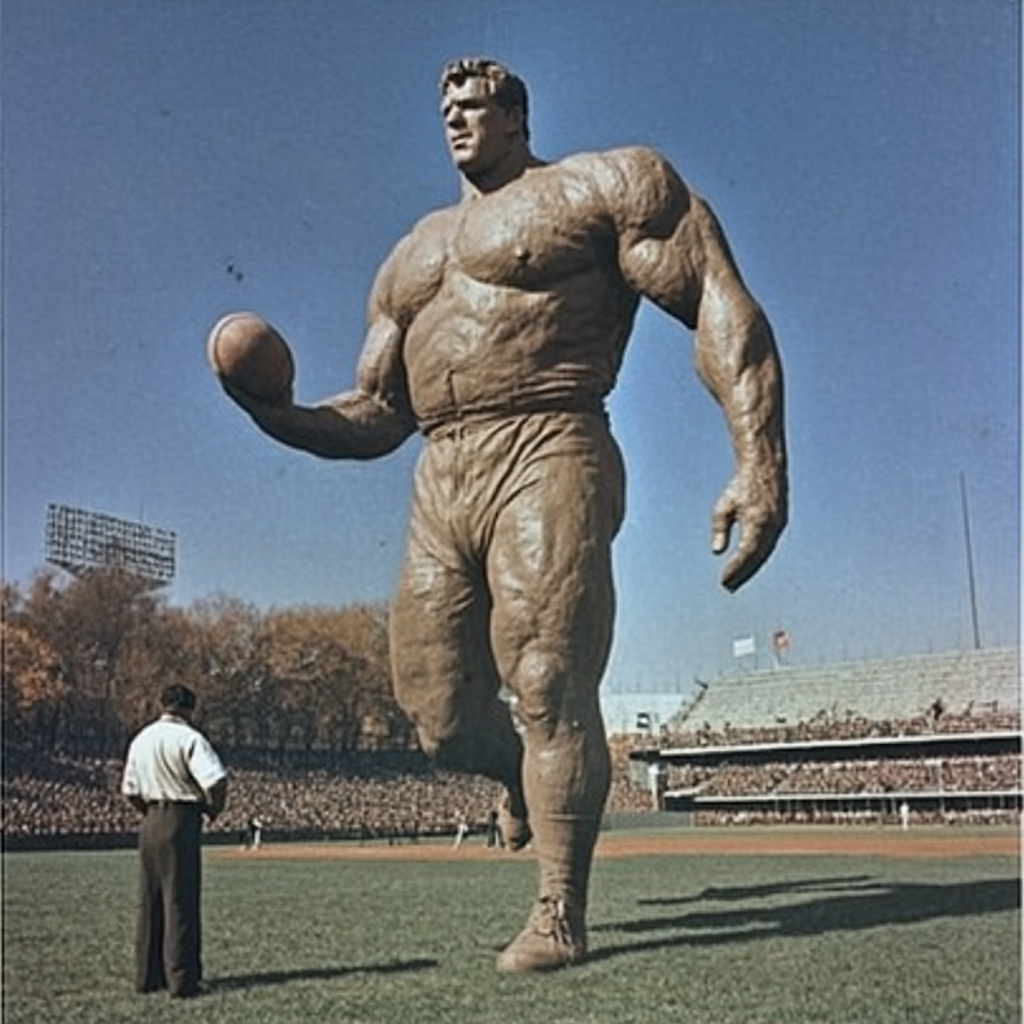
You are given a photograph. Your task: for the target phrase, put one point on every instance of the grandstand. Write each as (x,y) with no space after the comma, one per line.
(849,744)
(963,683)
(937,736)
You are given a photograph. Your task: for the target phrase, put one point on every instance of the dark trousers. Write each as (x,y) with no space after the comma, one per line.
(167,948)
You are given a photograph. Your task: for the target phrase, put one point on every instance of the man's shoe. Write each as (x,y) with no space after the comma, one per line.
(515,829)
(190,991)
(554,937)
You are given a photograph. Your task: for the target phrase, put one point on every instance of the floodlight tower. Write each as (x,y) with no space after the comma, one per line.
(78,541)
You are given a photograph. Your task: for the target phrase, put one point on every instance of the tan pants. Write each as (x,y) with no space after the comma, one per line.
(507,583)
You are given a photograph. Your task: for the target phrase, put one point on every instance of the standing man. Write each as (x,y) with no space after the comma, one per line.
(496,328)
(461,831)
(174,777)
(493,831)
(255,832)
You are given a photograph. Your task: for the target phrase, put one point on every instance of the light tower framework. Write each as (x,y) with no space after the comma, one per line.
(78,540)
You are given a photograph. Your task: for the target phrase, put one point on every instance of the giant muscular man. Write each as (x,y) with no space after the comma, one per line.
(496,328)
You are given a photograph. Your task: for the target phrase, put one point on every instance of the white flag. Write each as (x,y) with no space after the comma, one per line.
(743,647)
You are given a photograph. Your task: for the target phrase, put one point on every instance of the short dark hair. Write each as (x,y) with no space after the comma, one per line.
(508,90)
(177,698)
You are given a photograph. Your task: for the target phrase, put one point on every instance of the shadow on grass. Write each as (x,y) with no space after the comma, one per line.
(266,978)
(856,904)
(739,893)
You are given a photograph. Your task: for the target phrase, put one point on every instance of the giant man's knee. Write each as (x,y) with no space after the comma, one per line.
(551,697)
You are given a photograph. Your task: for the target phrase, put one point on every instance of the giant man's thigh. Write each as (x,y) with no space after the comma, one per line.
(549,569)
(508,560)
(444,674)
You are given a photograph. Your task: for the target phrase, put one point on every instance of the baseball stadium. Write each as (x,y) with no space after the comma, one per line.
(838,843)
(499,366)
(928,740)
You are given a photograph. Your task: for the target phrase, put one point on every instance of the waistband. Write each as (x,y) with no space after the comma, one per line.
(513,405)
(173,803)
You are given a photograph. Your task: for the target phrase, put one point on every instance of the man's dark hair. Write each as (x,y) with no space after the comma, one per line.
(178,698)
(508,90)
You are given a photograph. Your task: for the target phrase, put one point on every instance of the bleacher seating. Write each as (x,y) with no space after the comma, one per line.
(985,682)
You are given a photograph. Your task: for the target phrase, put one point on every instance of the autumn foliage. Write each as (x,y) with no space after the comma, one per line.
(85,659)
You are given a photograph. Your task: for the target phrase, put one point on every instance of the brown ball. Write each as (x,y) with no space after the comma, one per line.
(247,353)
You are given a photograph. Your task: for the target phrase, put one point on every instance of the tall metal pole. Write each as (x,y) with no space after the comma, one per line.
(970,563)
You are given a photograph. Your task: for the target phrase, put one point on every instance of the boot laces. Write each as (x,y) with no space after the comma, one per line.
(551,918)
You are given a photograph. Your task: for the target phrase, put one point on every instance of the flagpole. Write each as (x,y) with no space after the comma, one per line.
(972,595)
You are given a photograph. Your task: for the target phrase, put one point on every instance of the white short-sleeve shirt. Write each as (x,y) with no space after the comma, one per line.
(171,760)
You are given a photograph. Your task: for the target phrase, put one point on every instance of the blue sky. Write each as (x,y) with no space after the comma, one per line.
(166,162)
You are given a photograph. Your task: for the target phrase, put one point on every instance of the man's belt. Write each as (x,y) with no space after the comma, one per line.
(512,405)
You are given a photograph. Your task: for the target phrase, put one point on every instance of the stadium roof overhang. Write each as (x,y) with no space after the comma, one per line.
(927,745)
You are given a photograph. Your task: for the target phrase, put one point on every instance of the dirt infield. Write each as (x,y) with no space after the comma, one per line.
(891,842)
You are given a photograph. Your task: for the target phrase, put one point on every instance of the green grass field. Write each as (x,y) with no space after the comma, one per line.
(738,939)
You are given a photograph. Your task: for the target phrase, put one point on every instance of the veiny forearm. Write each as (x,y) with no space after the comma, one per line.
(737,359)
(350,426)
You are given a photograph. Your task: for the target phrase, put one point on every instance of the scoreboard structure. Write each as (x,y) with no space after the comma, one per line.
(78,540)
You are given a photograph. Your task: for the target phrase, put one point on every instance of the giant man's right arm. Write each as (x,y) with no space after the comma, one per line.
(370,420)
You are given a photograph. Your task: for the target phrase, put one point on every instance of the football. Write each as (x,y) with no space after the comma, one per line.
(249,355)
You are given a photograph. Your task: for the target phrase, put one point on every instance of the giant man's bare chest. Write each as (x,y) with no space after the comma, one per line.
(531,234)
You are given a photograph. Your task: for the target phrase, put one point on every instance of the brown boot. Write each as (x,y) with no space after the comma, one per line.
(554,937)
(515,829)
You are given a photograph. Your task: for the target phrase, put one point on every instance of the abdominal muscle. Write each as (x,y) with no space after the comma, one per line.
(479,346)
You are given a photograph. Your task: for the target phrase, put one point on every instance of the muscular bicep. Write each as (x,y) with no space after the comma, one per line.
(671,247)
(691,274)
(375,416)
(672,250)
(681,268)
(407,281)
(380,372)
(658,233)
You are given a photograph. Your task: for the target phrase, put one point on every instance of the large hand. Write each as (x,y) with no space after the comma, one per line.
(252,361)
(756,501)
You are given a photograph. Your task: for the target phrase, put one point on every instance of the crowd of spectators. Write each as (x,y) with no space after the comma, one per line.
(830,726)
(371,802)
(896,775)
(989,774)
(371,796)
(857,816)
(57,796)
(366,797)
